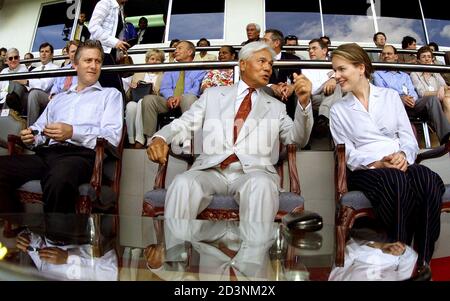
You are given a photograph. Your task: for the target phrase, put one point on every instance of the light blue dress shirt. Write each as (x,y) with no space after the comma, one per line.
(192,82)
(58,85)
(93,112)
(399,81)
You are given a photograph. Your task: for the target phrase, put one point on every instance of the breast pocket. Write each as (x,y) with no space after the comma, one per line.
(89,114)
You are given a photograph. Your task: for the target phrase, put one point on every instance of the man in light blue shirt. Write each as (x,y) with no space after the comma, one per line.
(64,138)
(178,89)
(428,106)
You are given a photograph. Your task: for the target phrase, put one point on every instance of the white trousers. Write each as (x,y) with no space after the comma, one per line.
(257,193)
(133,118)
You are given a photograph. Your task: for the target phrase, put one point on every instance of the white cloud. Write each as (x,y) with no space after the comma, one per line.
(396,29)
(445,32)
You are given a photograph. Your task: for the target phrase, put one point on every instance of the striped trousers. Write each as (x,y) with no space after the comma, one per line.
(407,203)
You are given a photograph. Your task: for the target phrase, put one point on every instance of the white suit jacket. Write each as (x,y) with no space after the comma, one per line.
(257,145)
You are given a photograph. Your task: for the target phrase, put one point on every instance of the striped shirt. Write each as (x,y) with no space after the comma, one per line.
(103,24)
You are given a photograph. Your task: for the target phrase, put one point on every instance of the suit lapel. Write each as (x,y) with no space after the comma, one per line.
(255,116)
(227,99)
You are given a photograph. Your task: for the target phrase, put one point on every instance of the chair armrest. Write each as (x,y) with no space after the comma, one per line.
(434,153)
(13,141)
(160,178)
(111,150)
(340,174)
(97,174)
(292,165)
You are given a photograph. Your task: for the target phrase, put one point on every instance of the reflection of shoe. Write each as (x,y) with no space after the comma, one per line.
(321,127)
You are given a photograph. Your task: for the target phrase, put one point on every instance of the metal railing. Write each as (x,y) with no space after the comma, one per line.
(218,65)
(237,47)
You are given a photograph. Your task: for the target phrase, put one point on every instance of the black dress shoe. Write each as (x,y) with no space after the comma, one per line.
(321,127)
(445,139)
(13,102)
(423,273)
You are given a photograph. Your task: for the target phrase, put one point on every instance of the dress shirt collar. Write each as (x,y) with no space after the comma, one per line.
(277,56)
(243,88)
(95,86)
(351,100)
(114,3)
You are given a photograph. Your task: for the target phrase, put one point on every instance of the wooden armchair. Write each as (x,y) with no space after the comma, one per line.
(100,194)
(351,205)
(223,206)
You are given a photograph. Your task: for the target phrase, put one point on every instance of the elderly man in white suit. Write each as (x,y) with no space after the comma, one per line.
(253,142)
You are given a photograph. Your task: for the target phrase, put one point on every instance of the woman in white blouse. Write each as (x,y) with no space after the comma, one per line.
(430,84)
(380,150)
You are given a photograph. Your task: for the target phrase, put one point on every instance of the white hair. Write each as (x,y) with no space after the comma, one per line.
(257,27)
(11,51)
(248,50)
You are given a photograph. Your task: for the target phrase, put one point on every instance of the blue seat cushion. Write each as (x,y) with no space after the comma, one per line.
(446,196)
(356,200)
(288,200)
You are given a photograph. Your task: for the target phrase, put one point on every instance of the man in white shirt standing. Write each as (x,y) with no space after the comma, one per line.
(106,24)
(64,138)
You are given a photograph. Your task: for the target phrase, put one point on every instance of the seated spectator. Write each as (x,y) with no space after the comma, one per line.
(3,58)
(65,51)
(133,113)
(434,47)
(291,40)
(401,82)
(379,39)
(381,149)
(29,65)
(38,96)
(235,161)
(203,55)
(325,92)
(81,30)
(408,43)
(429,84)
(64,138)
(220,77)
(143,34)
(253,31)
(327,41)
(178,89)
(63,84)
(281,82)
(173,44)
(16,86)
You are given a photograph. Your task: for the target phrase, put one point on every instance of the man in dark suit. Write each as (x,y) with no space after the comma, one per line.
(281,82)
(82,32)
(143,35)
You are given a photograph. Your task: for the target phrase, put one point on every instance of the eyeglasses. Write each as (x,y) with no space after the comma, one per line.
(291,37)
(11,58)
